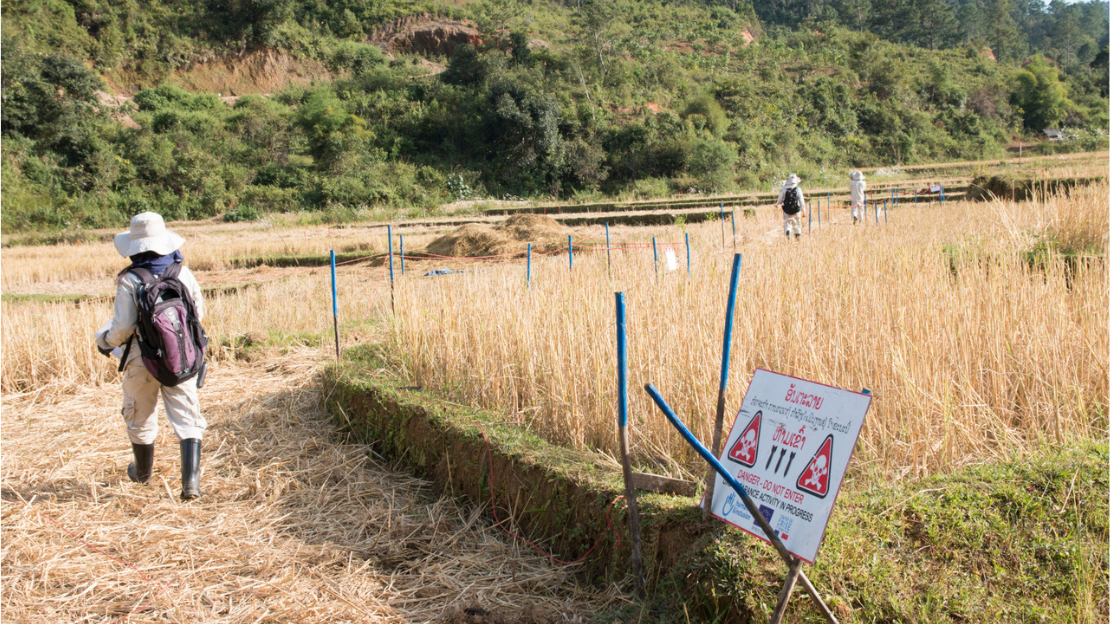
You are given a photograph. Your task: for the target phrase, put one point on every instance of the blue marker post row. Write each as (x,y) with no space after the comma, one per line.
(334,305)
(622,433)
(655,250)
(528,279)
(570,252)
(726,350)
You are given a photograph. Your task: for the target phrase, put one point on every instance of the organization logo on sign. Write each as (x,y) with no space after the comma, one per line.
(746,448)
(815,478)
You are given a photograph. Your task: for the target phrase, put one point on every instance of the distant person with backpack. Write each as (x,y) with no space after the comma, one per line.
(157,334)
(856,188)
(793,204)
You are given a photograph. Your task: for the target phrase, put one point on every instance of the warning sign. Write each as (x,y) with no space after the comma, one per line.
(746,449)
(789,447)
(815,478)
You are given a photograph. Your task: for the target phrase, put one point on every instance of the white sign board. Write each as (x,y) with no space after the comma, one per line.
(789,448)
(672,261)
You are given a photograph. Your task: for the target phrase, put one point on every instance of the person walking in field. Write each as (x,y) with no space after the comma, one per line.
(857,187)
(157,335)
(793,204)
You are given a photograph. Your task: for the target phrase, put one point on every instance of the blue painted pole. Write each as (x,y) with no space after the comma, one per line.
(734,230)
(392,295)
(877,212)
(915,196)
(655,250)
(726,351)
(334,305)
(626,460)
(687,254)
(819,213)
(529,275)
(716,466)
(402,254)
(389,233)
(810,215)
(721,206)
(885,220)
(570,252)
(608,251)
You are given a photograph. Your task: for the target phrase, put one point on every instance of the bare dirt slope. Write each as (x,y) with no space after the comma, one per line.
(295,525)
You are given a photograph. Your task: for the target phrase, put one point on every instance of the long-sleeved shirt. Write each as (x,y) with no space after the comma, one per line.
(126,317)
(801,197)
(857,189)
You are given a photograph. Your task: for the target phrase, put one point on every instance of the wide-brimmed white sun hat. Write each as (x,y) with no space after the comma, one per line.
(148,233)
(793,179)
(856,175)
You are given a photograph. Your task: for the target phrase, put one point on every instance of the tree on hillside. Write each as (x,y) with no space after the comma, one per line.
(1002,30)
(1039,95)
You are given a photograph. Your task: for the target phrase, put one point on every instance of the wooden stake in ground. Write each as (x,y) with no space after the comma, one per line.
(719,423)
(626,461)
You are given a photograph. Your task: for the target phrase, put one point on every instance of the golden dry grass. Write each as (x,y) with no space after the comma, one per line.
(972,352)
(295,525)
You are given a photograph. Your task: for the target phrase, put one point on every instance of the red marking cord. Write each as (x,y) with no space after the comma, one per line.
(119,561)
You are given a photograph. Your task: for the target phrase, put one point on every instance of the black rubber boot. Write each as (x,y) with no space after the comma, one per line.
(190,469)
(140,470)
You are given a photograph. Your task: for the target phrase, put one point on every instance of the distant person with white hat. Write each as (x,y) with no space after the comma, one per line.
(156,333)
(857,187)
(793,204)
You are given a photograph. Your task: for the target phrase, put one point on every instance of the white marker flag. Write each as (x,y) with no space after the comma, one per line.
(789,448)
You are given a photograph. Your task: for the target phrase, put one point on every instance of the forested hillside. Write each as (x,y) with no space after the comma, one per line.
(349,110)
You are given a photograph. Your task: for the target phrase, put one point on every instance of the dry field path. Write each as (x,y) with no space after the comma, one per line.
(296,524)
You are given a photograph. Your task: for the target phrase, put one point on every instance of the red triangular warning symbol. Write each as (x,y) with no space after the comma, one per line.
(815,478)
(747,445)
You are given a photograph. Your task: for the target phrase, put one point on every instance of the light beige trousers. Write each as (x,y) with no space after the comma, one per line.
(140,405)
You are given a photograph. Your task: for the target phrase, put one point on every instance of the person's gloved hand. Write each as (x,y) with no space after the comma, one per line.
(103,346)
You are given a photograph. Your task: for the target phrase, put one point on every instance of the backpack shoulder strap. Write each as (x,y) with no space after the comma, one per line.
(144,275)
(172,271)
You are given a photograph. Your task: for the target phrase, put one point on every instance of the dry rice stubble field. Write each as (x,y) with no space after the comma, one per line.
(295,525)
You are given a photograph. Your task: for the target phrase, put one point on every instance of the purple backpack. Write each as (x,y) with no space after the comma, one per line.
(171,341)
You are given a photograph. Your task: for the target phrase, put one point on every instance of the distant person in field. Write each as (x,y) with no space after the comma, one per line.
(857,187)
(793,204)
(153,289)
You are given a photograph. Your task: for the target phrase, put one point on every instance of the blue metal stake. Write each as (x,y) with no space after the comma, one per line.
(655,249)
(726,350)
(334,305)
(392,295)
(529,275)
(780,548)
(722,209)
(608,251)
(389,233)
(810,215)
(885,220)
(734,230)
(570,251)
(402,254)
(626,461)
(687,254)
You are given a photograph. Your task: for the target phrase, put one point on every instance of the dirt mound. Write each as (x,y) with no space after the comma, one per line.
(425,34)
(510,236)
(250,72)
